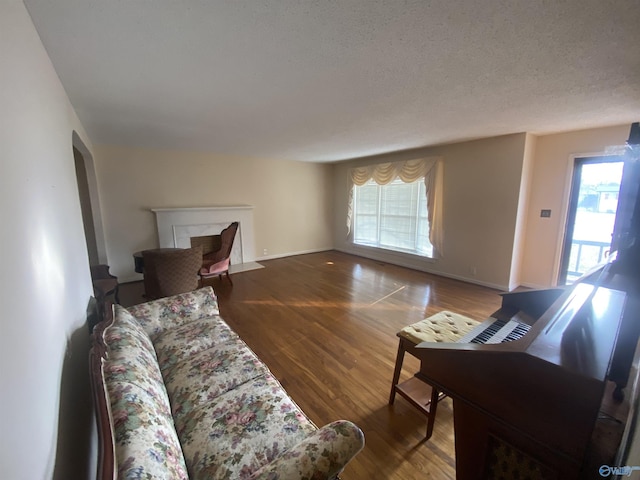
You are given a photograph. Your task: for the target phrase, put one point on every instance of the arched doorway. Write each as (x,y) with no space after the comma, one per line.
(89,202)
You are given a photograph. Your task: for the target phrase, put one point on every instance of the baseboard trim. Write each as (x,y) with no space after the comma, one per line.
(393,260)
(244,267)
(234,268)
(422,266)
(495,286)
(131,279)
(293,254)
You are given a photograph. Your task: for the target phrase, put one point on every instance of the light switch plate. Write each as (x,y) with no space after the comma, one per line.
(545,213)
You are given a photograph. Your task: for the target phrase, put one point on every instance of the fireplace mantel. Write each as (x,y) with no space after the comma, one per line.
(196,209)
(176,226)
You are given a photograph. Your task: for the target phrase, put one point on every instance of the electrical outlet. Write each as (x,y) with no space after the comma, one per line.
(545,213)
(264,252)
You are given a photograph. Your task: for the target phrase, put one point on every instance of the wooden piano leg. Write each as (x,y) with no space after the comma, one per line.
(415,390)
(396,372)
(433,406)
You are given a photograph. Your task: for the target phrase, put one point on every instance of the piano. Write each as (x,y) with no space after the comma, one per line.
(528,385)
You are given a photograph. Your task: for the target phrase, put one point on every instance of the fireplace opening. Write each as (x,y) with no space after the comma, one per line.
(209,243)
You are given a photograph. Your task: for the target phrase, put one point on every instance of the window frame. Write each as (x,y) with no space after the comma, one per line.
(416,220)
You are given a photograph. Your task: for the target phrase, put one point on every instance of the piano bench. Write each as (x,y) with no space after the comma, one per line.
(442,327)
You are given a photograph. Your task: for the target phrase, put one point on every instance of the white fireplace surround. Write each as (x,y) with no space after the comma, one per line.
(176,226)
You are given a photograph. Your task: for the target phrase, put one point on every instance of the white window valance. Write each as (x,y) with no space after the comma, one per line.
(431,169)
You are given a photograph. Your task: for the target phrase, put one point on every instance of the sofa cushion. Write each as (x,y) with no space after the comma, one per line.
(322,454)
(178,344)
(242,430)
(125,335)
(145,439)
(170,312)
(204,377)
(131,356)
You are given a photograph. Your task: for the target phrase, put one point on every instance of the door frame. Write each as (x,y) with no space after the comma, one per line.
(92,183)
(566,204)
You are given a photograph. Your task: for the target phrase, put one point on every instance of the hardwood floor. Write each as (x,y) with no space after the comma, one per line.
(326,325)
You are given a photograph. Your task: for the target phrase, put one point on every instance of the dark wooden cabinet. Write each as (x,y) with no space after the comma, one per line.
(532,407)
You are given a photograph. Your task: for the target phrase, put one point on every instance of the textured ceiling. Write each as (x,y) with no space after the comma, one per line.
(321,80)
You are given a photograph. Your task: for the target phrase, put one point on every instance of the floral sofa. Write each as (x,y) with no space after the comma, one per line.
(179,395)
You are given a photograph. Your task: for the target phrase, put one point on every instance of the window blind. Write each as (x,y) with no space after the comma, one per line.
(392,216)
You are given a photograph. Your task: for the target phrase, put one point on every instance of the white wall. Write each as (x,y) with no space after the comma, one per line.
(519,241)
(494,191)
(45,273)
(482,182)
(550,188)
(292,200)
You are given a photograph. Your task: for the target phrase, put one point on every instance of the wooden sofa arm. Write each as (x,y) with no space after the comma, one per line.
(106,468)
(323,454)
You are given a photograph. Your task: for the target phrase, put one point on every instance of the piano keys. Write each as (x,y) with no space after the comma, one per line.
(494,330)
(530,381)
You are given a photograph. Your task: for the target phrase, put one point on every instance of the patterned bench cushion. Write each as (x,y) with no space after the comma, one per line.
(442,327)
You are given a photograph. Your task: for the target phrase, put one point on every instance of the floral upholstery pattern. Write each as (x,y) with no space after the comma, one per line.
(206,376)
(183,342)
(323,454)
(189,399)
(125,334)
(146,442)
(169,312)
(144,433)
(132,358)
(242,430)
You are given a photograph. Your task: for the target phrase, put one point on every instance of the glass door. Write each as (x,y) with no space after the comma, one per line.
(591,216)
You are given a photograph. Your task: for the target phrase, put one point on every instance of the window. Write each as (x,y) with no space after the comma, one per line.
(392,216)
(402,210)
